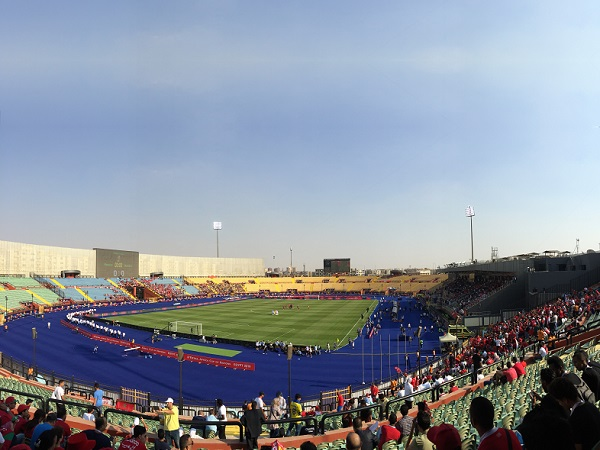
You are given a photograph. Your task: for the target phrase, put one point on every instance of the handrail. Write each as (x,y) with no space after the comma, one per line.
(69,402)
(329,415)
(305,419)
(41,399)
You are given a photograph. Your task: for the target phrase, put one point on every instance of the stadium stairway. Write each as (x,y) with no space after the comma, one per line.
(124,291)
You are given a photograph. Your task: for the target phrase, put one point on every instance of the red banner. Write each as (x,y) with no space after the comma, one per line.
(163,352)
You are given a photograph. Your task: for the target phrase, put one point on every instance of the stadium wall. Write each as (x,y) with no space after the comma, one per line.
(197,266)
(26,259)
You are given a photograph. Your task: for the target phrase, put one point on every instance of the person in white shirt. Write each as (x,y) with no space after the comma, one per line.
(59,391)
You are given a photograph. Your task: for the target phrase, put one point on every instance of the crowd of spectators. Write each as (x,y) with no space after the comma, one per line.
(463,292)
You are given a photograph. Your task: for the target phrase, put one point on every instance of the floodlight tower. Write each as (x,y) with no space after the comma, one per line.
(217,226)
(470,213)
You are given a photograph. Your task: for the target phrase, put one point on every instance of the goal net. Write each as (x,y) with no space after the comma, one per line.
(180,326)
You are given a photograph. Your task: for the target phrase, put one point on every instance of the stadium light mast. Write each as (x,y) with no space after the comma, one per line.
(217,226)
(470,213)
(291,261)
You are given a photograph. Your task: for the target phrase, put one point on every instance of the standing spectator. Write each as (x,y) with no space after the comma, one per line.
(275,413)
(374,390)
(295,412)
(59,390)
(98,398)
(137,441)
(340,401)
(221,415)
(482,419)
(171,414)
(260,403)
(252,421)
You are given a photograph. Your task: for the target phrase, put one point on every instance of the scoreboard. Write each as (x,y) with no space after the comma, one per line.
(337,265)
(117,263)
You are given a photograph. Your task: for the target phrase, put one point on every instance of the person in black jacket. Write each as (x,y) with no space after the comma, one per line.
(589,373)
(252,420)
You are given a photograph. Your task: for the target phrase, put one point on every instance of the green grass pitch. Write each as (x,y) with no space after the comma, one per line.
(309,322)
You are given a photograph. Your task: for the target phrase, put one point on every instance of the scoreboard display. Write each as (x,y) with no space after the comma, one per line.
(338,265)
(117,263)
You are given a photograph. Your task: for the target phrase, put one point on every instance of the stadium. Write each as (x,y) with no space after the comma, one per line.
(123,320)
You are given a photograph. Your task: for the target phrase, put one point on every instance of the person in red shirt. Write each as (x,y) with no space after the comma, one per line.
(137,441)
(23,418)
(79,441)
(389,432)
(510,372)
(374,391)
(340,401)
(518,366)
(490,437)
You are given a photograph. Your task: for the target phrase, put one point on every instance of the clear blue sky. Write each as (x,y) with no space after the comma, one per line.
(337,128)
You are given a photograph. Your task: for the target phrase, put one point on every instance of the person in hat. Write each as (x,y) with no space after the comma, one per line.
(79,441)
(22,419)
(137,441)
(11,404)
(445,437)
(171,414)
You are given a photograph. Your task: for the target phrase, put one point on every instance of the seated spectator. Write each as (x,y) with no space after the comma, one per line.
(510,372)
(160,443)
(367,437)
(404,425)
(481,412)
(445,437)
(590,374)
(518,366)
(389,432)
(79,441)
(353,442)
(139,439)
(61,421)
(97,434)
(584,417)
(89,415)
(420,440)
(48,424)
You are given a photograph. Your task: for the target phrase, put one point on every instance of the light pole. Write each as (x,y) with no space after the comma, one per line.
(291,261)
(470,213)
(290,355)
(217,226)
(180,358)
(34,337)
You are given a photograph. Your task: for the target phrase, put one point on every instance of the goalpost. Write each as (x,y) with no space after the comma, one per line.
(181,326)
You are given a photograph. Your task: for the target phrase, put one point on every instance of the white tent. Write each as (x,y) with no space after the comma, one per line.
(448,338)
